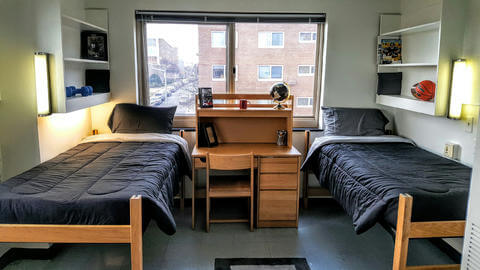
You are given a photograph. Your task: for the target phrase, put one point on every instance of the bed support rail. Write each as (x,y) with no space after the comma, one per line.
(182,181)
(128,234)
(305,173)
(406,230)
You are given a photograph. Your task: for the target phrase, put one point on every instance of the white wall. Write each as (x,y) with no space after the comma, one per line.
(18,116)
(27,26)
(433,132)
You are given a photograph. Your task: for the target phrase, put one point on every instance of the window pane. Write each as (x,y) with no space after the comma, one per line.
(218,72)
(303,69)
(314,36)
(304,36)
(262,66)
(277,39)
(218,39)
(277,72)
(180,60)
(264,72)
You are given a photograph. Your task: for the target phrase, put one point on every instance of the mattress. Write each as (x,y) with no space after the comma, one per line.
(91,184)
(366,178)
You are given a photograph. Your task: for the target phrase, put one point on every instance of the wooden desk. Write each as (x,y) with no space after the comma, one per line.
(277,181)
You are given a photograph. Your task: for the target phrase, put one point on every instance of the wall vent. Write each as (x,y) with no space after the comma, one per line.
(472,259)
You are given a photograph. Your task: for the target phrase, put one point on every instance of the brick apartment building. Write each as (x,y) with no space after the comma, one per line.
(265,53)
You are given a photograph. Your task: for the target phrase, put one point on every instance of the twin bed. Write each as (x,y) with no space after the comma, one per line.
(104,190)
(375,178)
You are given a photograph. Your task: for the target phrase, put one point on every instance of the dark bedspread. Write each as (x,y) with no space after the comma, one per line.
(92,183)
(366,179)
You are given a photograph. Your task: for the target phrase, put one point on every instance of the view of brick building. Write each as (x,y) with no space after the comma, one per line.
(264,54)
(183,57)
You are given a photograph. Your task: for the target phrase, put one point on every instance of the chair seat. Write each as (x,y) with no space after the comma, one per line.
(221,187)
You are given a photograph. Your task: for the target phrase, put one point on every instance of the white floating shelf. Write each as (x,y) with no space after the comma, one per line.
(407,103)
(78,102)
(86,26)
(414,29)
(80,60)
(409,65)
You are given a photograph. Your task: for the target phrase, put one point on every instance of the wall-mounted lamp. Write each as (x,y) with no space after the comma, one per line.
(459,90)
(42,82)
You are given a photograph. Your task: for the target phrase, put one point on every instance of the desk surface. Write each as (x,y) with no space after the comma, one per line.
(258,149)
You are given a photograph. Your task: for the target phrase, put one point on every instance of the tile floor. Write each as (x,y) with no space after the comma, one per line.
(325,237)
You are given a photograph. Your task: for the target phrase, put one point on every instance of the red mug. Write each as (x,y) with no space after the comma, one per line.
(243,103)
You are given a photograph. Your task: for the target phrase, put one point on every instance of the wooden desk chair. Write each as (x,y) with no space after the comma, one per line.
(229,188)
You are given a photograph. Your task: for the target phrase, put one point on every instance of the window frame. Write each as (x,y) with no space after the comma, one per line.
(270,45)
(184,121)
(309,74)
(269,79)
(211,39)
(311,40)
(304,106)
(224,73)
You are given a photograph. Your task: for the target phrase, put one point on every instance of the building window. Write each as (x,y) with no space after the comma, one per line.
(218,39)
(218,72)
(270,39)
(307,37)
(184,54)
(270,73)
(304,101)
(306,70)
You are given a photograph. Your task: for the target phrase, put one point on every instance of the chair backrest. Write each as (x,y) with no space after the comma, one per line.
(230,162)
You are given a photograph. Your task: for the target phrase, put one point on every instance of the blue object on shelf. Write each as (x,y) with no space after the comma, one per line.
(84,91)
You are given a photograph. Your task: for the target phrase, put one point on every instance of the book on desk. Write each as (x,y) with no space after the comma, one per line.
(254,130)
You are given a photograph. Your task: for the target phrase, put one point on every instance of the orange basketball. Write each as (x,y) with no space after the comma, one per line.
(424,90)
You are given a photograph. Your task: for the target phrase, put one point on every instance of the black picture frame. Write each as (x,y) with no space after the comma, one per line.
(209,134)
(205,97)
(94,45)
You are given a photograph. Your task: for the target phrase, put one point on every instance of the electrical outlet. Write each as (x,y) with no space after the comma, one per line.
(451,150)
(469,125)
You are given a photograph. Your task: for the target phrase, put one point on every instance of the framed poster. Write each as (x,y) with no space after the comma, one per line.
(389,50)
(94,46)
(205,97)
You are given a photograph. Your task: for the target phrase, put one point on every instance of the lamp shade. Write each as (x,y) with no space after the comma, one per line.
(459,88)
(42,83)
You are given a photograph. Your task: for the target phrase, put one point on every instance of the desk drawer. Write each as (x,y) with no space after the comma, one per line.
(278,181)
(278,205)
(278,165)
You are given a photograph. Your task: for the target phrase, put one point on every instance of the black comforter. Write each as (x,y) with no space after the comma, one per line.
(366,179)
(92,183)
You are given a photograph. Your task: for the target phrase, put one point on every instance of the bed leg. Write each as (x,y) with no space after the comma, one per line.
(182,194)
(305,173)
(403,232)
(182,188)
(136,245)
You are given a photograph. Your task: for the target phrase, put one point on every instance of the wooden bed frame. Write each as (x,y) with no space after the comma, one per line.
(103,234)
(406,229)
(128,234)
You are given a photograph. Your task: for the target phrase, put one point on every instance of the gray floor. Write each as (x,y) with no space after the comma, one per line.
(325,238)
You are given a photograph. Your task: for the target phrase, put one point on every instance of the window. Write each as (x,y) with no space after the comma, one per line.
(270,39)
(306,70)
(270,73)
(304,101)
(307,37)
(218,72)
(188,51)
(218,39)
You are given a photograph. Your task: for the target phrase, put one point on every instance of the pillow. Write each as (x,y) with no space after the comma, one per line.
(353,121)
(133,118)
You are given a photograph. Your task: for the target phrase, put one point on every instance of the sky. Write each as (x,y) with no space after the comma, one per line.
(182,36)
